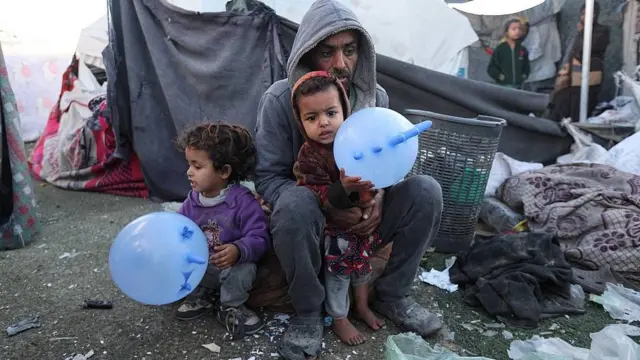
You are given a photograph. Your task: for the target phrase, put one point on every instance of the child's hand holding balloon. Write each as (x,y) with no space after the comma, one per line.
(225,256)
(353,183)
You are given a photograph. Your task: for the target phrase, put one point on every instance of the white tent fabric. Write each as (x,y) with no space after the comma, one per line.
(43,39)
(93,39)
(495,7)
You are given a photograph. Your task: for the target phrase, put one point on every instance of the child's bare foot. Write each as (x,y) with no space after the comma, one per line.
(347,333)
(365,313)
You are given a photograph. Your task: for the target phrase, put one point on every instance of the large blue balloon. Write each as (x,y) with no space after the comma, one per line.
(377,144)
(159,258)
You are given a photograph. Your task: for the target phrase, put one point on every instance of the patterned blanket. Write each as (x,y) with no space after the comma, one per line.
(76,150)
(18,218)
(592,209)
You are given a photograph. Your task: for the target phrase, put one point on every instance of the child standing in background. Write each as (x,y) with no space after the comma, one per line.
(509,65)
(320,105)
(237,229)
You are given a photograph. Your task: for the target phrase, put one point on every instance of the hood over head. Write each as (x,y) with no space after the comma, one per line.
(323,19)
(344,99)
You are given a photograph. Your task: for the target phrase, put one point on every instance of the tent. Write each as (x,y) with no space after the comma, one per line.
(92,41)
(171,63)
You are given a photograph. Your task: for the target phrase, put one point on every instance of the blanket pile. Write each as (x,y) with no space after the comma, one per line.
(519,278)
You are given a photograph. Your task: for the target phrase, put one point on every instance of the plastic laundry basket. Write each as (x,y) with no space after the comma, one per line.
(458,153)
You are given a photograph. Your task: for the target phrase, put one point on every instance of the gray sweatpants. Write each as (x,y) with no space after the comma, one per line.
(336,288)
(233,283)
(410,219)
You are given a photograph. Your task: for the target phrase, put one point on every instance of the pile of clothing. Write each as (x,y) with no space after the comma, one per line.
(519,278)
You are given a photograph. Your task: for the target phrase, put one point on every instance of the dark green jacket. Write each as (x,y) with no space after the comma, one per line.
(509,66)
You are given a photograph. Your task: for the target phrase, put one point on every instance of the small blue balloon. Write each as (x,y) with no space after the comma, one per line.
(159,258)
(377,144)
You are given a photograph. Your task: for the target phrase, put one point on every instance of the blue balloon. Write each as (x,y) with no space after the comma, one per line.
(159,258)
(377,144)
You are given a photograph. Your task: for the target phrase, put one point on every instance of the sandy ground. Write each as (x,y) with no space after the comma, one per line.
(42,280)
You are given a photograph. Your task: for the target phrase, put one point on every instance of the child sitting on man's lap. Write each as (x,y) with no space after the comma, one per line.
(320,105)
(220,156)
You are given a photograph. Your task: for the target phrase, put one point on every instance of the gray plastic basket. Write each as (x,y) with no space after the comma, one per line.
(458,153)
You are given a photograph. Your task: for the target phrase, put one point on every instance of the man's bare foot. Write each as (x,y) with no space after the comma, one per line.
(365,313)
(347,333)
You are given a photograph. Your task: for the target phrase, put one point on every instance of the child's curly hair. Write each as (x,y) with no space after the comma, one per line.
(226,144)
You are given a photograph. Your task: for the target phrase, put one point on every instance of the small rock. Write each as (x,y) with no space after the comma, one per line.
(489,333)
(546,333)
(450,336)
(507,334)
(554,326)
(474,321)
(213,347)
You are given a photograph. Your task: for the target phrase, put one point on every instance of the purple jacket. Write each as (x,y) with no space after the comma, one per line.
(238,219)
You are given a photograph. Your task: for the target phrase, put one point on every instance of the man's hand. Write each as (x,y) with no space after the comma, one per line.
(225,256)
(371,215)
(354,183)
(346,218)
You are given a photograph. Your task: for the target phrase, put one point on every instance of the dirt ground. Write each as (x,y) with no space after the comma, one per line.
(42,279)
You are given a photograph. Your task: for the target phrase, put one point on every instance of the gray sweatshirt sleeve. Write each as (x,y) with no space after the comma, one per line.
(274,169)
(382,99)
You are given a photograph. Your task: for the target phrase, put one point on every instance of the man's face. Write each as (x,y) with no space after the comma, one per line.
(582,17)
(338,55)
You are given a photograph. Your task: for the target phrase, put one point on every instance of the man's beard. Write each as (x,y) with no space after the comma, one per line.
(342,74)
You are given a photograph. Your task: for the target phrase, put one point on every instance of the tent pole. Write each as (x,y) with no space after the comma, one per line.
(586,59)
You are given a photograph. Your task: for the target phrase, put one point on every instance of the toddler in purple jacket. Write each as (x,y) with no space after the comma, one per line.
(220,156)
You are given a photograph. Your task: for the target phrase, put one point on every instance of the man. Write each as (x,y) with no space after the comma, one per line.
(331,38)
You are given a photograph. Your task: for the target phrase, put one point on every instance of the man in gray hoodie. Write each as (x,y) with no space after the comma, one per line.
(331,38)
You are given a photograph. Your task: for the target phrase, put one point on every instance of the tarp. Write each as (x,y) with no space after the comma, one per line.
(398,28)
(177,67)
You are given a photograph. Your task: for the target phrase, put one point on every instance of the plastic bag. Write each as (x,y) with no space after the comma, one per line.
(621,303)
(409,346)
(611,343)
(539,348)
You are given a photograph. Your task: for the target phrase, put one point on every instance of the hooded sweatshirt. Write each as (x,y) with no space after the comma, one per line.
(278,137)
(509,66)
(233,217)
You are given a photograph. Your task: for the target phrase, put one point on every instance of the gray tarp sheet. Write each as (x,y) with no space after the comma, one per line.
(168,67)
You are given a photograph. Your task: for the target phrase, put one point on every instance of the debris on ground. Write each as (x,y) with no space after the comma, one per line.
(24,325)
(213,347)
(494,326)
(507,335)
(612,342)
(438,278)
(63,338)
(80,356)
(410,345)
(97,304)
(621,303)
(275,328)
(69,255)
(485,329)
